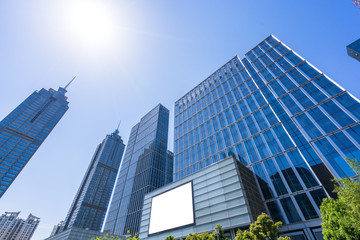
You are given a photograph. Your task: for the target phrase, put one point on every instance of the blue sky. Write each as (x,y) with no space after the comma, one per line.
(129,56)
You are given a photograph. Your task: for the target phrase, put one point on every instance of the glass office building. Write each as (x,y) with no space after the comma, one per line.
(91,201)
(147,165)
(25,128)
(353,49)
(280,116)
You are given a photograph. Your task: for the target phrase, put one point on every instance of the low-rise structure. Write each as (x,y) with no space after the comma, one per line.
(223,193)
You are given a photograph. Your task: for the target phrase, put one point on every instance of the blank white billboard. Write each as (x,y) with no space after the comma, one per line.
(172,209)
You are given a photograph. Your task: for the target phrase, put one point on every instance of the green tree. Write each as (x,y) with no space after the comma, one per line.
(207,236)
(262,229)
(110,237)
(170,238)
(341,216)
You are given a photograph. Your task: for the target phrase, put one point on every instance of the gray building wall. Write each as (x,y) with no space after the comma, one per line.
(219,197)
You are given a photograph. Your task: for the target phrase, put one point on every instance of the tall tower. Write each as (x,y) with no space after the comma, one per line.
(281,117)
(147,165)
(24,130)
(91,201)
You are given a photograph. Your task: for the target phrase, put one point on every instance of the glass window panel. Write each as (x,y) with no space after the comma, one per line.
(263,182)
(337,113)
(242,156)
(281,48)
(290,210)
(290,104)
(275,69)
(327,85)
(285,65)
(266,75)
(297,76)
(314,92)
(234,133)
(275,177)
(308,126)
(318,196)
(260,145)
(306,207)
(308,70)
(302,99)
(275,212)
(243,131)
(292,57)
(334,158)
(303,170)
(322,120)
(288,173)
(349,103)
(251,151)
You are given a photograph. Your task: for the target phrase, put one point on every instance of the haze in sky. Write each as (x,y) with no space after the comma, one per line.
(129,56)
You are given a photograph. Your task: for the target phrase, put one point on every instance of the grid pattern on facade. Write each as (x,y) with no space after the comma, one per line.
(147,165)
(25,128)
(91,201)
(281,117)
(219,197)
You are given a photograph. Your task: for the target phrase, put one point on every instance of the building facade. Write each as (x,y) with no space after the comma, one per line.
(24,130)
(57,228)
(281,117)
(147,165)
(223,193)
(92,199)
(14,228)
(353,50)
(79,234)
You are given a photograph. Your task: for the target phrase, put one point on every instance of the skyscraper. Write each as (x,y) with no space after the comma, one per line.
(91,201)
(14,228)
(280,116)
(353,49)
(24,130)
(147,165)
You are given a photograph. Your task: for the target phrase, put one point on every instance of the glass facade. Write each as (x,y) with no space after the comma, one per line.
(353,49)
(280,116)
(147,165)
(25,128)
(91,201)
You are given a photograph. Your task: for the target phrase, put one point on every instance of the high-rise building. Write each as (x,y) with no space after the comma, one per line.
(147,165)
(281,117)
(24,130)
(353,49)
(14,228)
(57,228)
(92,199)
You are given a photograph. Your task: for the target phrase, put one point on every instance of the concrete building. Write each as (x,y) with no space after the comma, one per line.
(14,228)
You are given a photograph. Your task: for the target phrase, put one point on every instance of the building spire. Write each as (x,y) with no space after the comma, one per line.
(118,126)
(70,82)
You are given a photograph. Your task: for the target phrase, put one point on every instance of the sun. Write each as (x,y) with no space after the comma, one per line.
(90,24)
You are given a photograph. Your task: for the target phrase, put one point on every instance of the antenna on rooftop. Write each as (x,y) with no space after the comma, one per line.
(70,82)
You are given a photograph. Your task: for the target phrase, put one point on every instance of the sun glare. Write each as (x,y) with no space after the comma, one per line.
(91,24)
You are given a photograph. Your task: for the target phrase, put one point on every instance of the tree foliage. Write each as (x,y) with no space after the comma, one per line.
(341,217)
(110,237)
(170,238)
(262,229)
(207,236)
